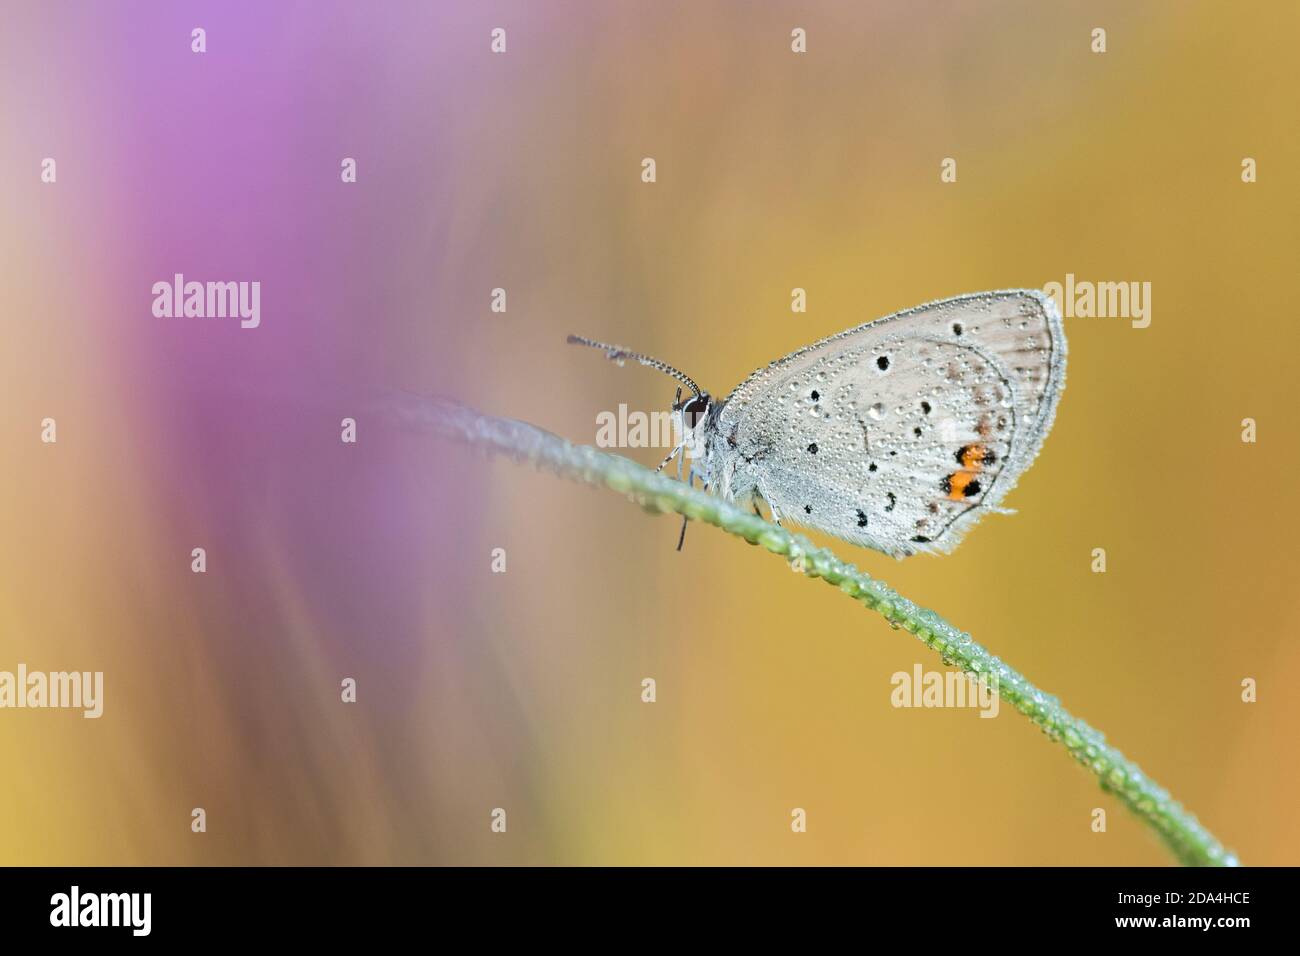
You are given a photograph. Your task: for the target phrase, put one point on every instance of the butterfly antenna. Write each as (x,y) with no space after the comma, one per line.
(616,353)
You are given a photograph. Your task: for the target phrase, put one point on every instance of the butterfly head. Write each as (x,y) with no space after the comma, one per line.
(693,410)
(690,417)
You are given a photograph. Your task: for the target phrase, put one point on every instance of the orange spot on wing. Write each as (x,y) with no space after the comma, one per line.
(957,485)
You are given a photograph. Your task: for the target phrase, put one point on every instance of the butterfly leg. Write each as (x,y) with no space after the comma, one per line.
(666,461)
(771,508)
(671,455)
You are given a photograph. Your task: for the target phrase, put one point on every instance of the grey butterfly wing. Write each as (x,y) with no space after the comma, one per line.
(901,433)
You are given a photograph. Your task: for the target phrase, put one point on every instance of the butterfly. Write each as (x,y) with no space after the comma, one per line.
(897,435)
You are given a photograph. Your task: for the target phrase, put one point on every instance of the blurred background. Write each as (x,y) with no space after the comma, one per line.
(522,171)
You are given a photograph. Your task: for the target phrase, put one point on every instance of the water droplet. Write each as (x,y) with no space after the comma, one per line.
(876,411)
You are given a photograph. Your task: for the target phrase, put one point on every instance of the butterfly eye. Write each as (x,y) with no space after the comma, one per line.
(694,410)
(882,363)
